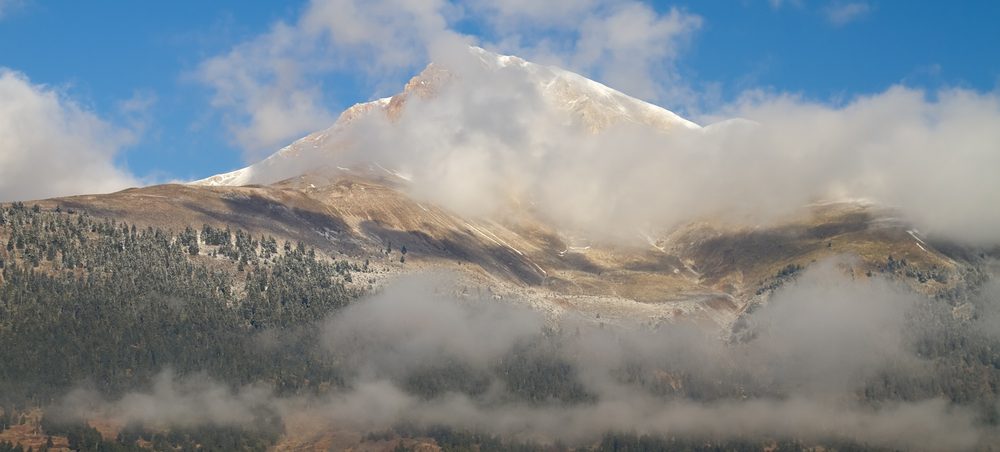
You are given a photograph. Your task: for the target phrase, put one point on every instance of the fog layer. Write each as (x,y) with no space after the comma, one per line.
(410,354)
(496,133)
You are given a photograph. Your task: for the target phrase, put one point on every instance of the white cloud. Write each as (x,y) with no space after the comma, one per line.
(268,88)
(494,138)
(844,13)
(626,44)
(269,91)
(820,341)
(136,111)
(6,6)
(930,155)
(384,35)
(263,87)
(634,49)
(50,146)
(777,4)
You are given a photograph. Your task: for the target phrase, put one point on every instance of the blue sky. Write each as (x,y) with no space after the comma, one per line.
(136,65)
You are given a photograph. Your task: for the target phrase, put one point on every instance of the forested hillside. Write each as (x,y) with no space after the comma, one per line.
(105,305)
(100,302)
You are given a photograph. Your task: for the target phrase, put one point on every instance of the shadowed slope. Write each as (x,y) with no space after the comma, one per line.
(704,271)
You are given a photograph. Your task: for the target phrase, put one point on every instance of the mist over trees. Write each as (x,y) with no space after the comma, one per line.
(214,336)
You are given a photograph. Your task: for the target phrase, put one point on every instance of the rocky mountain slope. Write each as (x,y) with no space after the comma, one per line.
(576,98)
(703,270)
(253,277)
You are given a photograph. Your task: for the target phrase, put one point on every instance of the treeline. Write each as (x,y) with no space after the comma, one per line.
(453,440)
(534,371)
(264,432)
(135,437)
(631,442)
(111,305)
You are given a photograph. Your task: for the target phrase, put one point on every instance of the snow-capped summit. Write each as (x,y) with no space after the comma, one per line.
(595,103)
(575,98)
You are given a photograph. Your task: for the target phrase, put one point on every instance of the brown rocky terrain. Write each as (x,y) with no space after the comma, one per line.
(704,271)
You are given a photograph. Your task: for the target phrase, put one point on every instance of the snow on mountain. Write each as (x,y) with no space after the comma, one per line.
(291,160)
(581,100)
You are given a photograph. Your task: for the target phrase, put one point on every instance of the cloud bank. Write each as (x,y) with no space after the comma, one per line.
(269,89)
(491,135)
(494,134)
(52,146)
(817,344)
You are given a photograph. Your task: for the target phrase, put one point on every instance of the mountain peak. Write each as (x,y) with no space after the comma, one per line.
(591,105)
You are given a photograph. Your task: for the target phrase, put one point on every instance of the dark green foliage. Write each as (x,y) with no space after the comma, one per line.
(786,274)
(113,305)
(6,446)
(893,266)
(268,247)
(460,440)
(452,440)
(214,236)
(189,241)
(789,270)
(965,360)
(537,372)
(7,419)
(263,433)
(618,442)
(432,381)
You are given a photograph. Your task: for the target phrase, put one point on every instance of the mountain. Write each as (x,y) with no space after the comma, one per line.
(317,190)
(702,269)
(274,306)
(574,98)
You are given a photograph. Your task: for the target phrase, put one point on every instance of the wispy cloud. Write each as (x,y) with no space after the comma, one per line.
(777,4)
(264,89)
(840,14)
(628,45)
(820,341)
(137,110)
(6,6)
(269,89)
(52,146)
